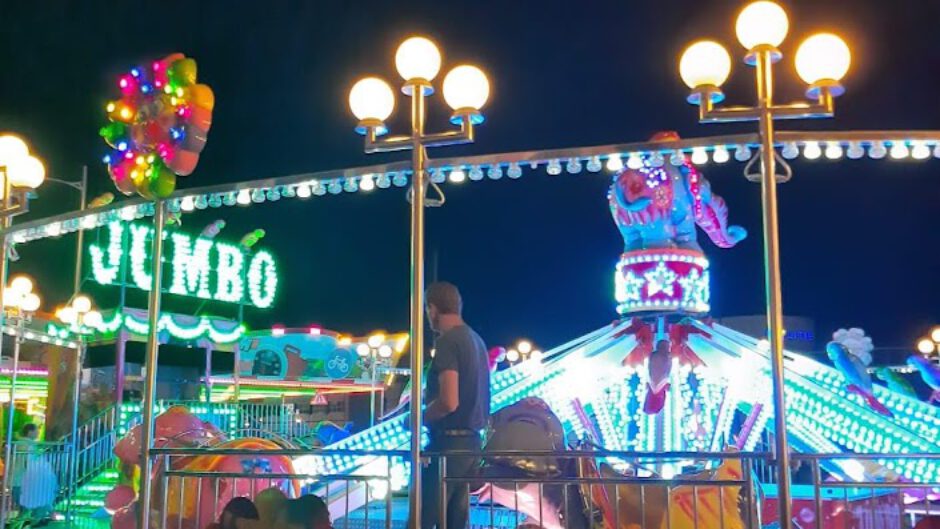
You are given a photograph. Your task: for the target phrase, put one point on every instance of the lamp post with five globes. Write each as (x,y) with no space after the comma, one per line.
(821,61)
(930,346)
(83,319)
(371,100)
(19,305)
(20,173)
(374,352)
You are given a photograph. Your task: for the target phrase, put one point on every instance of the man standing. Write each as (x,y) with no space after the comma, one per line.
(458,407)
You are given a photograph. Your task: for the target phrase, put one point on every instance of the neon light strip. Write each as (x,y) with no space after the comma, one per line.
(295,384)
(205,327)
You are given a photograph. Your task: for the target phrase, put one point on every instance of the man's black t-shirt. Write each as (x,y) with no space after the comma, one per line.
(462,350)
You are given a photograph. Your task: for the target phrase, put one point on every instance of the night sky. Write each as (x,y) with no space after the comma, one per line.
(534,257)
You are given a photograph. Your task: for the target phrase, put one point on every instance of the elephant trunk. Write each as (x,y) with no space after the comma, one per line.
(712,217)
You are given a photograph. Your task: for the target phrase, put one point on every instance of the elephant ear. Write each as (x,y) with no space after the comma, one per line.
(637,205)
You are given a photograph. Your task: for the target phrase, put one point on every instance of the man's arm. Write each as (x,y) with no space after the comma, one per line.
(448,399)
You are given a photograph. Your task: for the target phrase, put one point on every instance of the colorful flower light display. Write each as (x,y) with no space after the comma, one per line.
(158,127)
(662,280)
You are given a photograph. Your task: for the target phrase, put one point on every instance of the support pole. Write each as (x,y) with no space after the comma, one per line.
(120,355)
(76,397)
(5,222)
(80,239)
(153,350)
(236,373)
(372,393)
(6,505)
(418,186)
(772,278)
(208,375)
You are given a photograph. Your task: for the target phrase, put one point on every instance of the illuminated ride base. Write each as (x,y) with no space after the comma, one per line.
(662,281)
(719,380)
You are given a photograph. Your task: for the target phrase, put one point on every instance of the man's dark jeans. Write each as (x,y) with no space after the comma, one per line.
(457,498)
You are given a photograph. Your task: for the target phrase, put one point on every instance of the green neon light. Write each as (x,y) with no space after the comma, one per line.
(262,291)
(203,328)
(201,267)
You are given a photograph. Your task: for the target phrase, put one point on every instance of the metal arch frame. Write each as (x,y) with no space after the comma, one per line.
(20,231)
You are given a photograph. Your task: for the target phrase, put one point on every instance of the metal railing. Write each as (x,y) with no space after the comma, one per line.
(39,476)
(94,446)
(585,490)
(188,497)
(280,420)
(885,502)
(572,499)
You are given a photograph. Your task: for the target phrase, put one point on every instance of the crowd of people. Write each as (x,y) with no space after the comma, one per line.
(271,509)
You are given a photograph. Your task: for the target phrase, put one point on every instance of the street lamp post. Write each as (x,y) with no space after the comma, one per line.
(83,320)
(82,187)
(522,352)
(20,173)
(371,100)
(19,305)
(929,346)
(376,351)
(821,61)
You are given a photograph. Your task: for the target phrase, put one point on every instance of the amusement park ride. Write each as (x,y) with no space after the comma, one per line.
(641,397)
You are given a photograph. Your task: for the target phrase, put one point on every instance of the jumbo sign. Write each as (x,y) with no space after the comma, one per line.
(201,267)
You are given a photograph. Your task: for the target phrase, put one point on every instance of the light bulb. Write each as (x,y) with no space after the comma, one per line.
(81,303)
(614,163)
(376,340)
(418,59)
(935,334)
(93,319)
(30,302)
(699,156)
(761,23)
(926,346)
(524,347)
(721,154)
(833,150)
(634,161)
(66,315)
(366,183)
(855,150)
(12,148)
(303,191)
(362,350)
(371,99)
(512,356)
(705,63)
(21,284)
(920,151)
(823,57)
(187,204)
(12,298)
(742,153)
(385,351)
(466,87)
(457,176)
(899,150)
(877,150)
(26,171)
(244,197)
(811,150)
